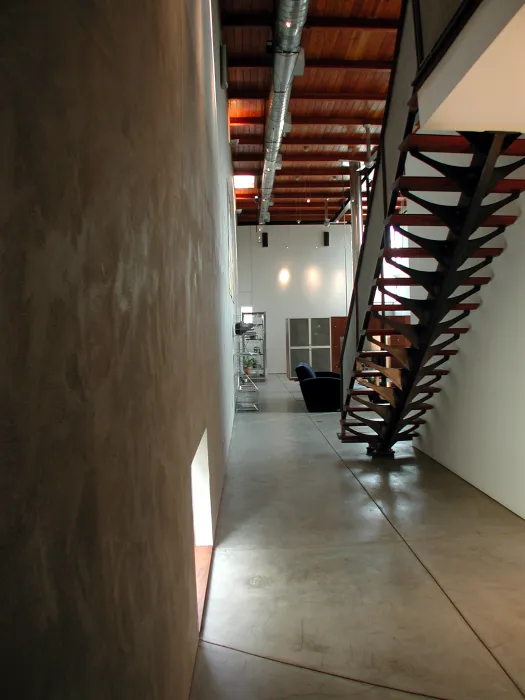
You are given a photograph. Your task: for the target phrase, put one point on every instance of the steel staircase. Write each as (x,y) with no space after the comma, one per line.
(398,365)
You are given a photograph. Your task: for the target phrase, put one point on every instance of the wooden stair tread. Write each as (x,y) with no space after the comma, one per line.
(372,438)
(465,306)
(408,282)
(418,407)
(451,143)
(422,253)
(376,373)
(406,220)
(444,184)
(363,408)
(369,392)
(349,437)
(358,424)
(388,331)
(385,353)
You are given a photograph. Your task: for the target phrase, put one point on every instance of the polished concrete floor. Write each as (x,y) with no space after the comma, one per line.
(340,577)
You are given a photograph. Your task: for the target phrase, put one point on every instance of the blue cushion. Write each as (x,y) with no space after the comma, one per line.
(304,371)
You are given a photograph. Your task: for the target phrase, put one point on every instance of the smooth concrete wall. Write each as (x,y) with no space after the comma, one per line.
(476,428)
(116,354)
(317,287)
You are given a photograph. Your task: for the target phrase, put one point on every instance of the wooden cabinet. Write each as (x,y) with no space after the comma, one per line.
(338,329)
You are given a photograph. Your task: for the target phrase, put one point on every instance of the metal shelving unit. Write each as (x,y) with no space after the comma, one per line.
(253,347)
(246,393)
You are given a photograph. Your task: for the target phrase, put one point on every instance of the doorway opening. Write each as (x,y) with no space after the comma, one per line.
(202,520)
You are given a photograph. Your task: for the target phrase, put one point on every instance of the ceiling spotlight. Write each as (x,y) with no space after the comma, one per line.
(288,23)
(298,221)
(308,201)
(256,196)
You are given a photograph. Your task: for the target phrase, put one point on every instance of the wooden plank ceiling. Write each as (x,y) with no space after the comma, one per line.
(349,46)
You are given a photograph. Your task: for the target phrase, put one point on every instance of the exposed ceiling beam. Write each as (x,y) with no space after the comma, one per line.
(283,221)
(319,186)
(266,19)
(297,172)
(301,157)
(286,216)
(289,206)
(320,140)
(311,193)
(251,94)
(292,198)
(311,121)
(242,62)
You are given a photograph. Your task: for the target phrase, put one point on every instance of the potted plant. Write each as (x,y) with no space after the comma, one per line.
(248,365)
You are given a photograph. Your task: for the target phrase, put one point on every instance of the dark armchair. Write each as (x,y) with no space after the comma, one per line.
(321,390)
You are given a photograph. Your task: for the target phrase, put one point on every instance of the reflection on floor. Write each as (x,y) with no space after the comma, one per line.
(202,573)
(338,577)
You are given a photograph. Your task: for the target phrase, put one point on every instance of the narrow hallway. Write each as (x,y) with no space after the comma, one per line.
(338,577)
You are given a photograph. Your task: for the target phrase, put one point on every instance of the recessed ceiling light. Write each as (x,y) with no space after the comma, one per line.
(308,201)
(288,23)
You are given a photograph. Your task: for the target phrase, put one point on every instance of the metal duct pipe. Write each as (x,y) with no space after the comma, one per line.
(356,214)
(291,16)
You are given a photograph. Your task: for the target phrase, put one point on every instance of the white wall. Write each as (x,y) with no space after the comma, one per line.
(477,426)
(317,285)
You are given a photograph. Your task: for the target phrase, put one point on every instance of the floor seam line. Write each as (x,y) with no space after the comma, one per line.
(418,558)
(325,673)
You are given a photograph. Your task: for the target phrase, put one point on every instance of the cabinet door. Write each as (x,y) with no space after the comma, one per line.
(321,359)
(298,355)
(320,332)
(299,332)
